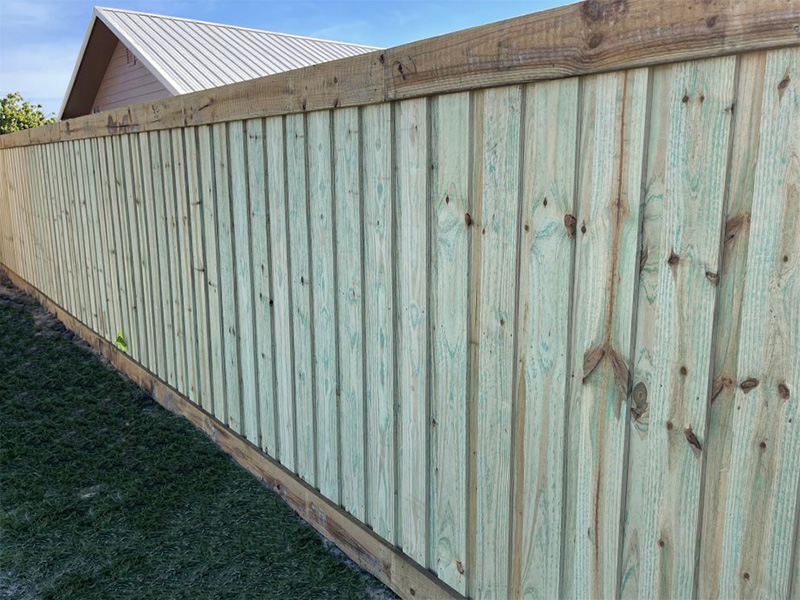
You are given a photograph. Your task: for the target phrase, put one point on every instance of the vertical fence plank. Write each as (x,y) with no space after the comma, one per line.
(607,226)
(94,229)
(150,212)
(762,500)
(449,312)
(412,261)
(107,237)
(117,198)
(240,213)
(379,303)
(300,285)
(548,227)
(685,256)
(744,152)
(350,298)
(211,256)
(502,131)
(262,284)
(227,278)
(321,225)
(162,247)
(197,197)
(279,247)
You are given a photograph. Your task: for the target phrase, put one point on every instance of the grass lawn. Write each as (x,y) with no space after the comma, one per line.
(104,494)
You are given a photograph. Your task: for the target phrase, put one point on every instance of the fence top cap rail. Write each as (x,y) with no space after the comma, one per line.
(593,36)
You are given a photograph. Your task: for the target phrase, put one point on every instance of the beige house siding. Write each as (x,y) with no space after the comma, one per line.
(127,81)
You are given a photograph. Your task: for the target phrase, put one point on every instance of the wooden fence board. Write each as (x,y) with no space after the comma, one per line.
(412,259)
(607,226)
(736,235)
(379,330)
(205,140)
(279,247)
(761,508)
(240,216)
(500,206)
(449,314)
(300,285)
(262,284)
(349,290)
(323,280)
(227,279)
(548,230)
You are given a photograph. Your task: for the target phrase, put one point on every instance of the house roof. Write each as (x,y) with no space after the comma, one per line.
(188,56)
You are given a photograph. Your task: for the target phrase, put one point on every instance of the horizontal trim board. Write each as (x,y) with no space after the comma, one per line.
(364,547)
(593,36)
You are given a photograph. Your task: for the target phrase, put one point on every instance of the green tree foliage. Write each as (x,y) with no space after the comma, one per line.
(17,114)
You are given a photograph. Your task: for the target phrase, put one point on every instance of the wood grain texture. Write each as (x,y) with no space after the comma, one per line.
(449,312)
(322,227)
(761,507)
(686,261)
(546,257)
(736,236)
(262,284)
(281,290)
(240,213)
(301,294)
(205,138)
(349,298)
(227,280)
(607,226)
(500,205)
(411,138)
(380,314)
(587,37)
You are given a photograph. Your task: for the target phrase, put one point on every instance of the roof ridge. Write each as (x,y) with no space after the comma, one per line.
(238,27)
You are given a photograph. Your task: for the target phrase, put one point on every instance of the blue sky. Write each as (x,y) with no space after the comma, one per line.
(40,39)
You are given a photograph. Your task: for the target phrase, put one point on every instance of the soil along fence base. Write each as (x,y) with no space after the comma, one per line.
(508,312)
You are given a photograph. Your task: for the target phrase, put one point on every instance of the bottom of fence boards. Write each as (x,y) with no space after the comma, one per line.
(369,551)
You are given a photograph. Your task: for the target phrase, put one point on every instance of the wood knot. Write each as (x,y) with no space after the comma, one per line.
(711,21)
(639,395)
(784,83)
(468,220)
(748,384)
(783,391)
(684,371)
(595,41)
(685,98)
(669,425)
(583,228)
(691,438)
(673,259)
(763,446)
(569,224)
(460,567)
(527,227)
(712,277)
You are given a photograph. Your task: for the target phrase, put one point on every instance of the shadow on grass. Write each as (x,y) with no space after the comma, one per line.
(104,494)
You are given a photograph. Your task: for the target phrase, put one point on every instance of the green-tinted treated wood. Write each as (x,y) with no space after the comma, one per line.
(546,255)
(300,286)
(61,202)
(412,295)
(87,278)
(162,249)
(450,233)
(173,259)
(500,191)
(610,158)
(281,289)
(197,197)
(119,212)
(349,291)
(211,257)
(95,244)
(744,152)
(262,301)
(135,196)
(376,123)
(240,214)
(49,224)
(227,279)
(666,517)
(106,238)
(320,199)
(71,240)
(762,502)
(183,229)
(150,244)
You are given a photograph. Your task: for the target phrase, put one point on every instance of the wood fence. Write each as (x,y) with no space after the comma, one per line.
(523,300)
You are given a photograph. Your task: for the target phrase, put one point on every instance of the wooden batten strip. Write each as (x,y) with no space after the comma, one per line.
(375,555)
(588,37)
